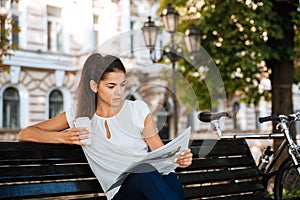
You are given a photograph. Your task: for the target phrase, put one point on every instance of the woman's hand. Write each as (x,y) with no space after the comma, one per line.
(75,135)
(185,159)
(54,130)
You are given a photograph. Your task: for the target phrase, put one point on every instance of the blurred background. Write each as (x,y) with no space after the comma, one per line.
(255,46)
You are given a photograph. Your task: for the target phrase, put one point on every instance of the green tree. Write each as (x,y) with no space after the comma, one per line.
(282,63)
(249,41)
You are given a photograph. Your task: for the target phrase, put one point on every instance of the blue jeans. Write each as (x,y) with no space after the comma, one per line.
(150,185)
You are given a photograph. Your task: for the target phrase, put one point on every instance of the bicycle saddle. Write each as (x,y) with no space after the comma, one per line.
(209,116)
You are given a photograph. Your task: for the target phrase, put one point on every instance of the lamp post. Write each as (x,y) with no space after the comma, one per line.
(150,31)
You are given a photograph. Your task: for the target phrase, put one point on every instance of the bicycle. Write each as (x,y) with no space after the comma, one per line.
(287,176)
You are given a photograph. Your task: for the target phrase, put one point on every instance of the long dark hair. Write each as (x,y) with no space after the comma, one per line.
(95,68)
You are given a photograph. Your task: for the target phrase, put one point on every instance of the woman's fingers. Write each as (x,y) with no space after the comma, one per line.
(75,135)
(185,159)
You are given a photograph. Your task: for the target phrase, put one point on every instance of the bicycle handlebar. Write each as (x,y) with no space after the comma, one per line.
(279,118)
(268,118)
(209,117)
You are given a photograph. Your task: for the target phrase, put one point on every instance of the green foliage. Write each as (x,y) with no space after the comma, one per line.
(235,34)
(7,29)
(199,88)
(291,194)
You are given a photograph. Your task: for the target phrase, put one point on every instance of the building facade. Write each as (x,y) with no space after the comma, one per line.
(55,39)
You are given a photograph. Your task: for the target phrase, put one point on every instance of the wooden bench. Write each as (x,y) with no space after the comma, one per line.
(221,169)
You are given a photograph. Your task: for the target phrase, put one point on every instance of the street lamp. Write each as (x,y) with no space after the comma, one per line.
(170,19)
(150,31)
(192,39)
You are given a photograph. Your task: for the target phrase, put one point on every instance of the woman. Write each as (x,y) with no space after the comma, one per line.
(122,132)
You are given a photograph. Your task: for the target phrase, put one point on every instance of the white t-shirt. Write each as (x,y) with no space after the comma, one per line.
(108,158)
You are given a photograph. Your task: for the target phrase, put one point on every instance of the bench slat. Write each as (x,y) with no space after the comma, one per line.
(251,196)
(220,163)
(49,172)
(226,142)
(15,153)
(219,176)
(222,189)
(45,189)
(218,148)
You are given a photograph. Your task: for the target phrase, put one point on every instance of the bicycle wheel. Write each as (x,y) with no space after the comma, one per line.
(287,183)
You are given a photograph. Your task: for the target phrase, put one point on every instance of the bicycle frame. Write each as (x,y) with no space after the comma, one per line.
(276,156)
(286,180)
(293,148)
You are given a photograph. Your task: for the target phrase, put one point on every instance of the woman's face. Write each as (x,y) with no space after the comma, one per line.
(112,88)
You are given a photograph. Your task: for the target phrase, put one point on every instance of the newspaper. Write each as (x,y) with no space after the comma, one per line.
(162,158)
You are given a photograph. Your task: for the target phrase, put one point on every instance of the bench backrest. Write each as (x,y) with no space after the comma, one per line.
(44,170)
(222,169)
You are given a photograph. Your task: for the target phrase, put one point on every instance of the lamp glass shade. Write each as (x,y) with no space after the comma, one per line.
(170,19)
(150,32)
(192,39)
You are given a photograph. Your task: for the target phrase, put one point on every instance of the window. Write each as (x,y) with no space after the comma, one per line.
(96,30)
(131,39)
(54,29)
(235,116)
(11,108)
(163,121)
(55,103)
(15,36)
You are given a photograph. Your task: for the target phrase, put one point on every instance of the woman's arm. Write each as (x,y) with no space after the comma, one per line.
(150,134)
(154,141)
(53,131)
